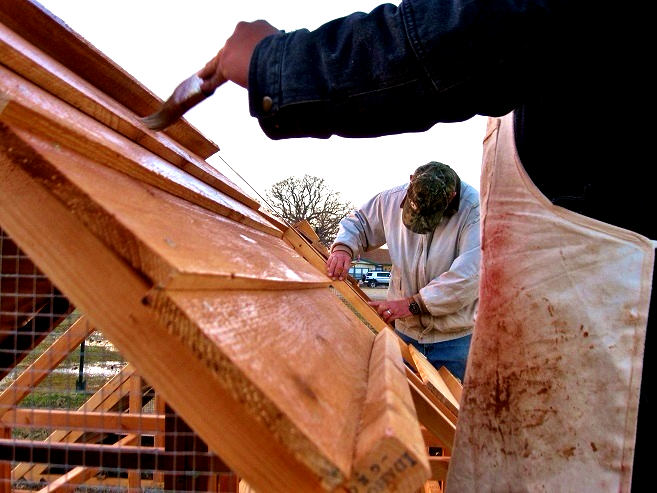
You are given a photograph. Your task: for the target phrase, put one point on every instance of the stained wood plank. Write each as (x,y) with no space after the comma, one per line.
(48,74)
(307,387)
(390,452)
(84,420)
(429,412)
(111,292)
(39,113)
(453,384)
(157,232)
(434,380)
(50,34)
(124,457)
(352,293)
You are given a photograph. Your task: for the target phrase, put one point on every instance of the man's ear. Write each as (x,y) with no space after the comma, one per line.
(453,195)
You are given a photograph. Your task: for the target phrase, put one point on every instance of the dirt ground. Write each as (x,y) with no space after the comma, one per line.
(375,293)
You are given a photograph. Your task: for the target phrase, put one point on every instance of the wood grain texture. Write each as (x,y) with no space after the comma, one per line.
(84,420)
(434,380)
(302,375)
(26,106)
(390,452)
(174,242)
(350,291)
(453,384)
(219,306)
(48,74)
(431,412)
(50,34)
(111,293)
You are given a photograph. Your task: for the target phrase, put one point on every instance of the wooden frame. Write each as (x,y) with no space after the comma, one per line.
(225,310)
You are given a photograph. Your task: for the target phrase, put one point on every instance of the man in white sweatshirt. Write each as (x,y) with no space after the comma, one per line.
(431,228)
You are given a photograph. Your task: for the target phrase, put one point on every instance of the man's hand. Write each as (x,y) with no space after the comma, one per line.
(338,264)
(232,60)
(391,310)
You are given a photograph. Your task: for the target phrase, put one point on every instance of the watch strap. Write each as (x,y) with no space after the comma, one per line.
(413,307)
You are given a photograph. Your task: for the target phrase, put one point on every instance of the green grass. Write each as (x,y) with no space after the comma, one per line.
(65,387)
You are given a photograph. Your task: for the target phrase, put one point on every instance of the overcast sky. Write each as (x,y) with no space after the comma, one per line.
(162,42)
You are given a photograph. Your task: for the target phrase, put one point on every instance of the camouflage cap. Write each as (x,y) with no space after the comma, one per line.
(428,196)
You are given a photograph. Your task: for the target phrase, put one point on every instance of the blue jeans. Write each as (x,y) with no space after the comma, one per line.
(453,354)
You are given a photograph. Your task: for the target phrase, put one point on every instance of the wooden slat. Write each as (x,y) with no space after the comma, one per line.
(453,384)
(85,420)
(352,293)
(44,364)
(110,456)
(158,233)
(51,35)
(309,384)
(48,74)
(434,381)
(390,452)
(39,113)
(439,467)
(99,283)
(5,464)
(429,413)
(79,475)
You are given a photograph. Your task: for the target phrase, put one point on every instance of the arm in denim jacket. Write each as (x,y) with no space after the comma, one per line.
(403,69)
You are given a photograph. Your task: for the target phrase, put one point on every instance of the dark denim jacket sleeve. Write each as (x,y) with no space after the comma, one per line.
(403,69)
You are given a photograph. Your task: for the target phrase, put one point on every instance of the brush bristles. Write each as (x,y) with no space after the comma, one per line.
(187,95)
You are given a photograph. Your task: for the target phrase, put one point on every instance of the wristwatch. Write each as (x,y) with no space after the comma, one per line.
(414,308)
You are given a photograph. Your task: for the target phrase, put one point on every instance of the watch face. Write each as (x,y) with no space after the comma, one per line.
(414,308)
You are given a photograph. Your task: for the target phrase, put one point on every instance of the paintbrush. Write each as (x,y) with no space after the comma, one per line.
(187,95)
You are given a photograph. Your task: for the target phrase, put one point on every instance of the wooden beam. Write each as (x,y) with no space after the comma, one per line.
(430,415)
(105,421)
(351,293)
(26,105)
(390,452)
(439,467)
(100,283)
(160,236)
(104,399)
(434,381)
(109,456)
(48,74)
(453,384)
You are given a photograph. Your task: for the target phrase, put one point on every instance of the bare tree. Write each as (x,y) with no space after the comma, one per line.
(309,198)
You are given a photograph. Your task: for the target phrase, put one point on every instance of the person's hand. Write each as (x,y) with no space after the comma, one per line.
(391,310)
(338,264)
(232,60)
